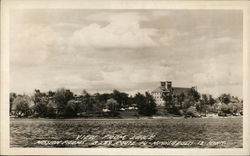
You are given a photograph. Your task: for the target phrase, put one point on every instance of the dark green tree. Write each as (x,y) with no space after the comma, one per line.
(51,112)
(150,105)
(62,96)
(121,98)
(224,98)
(194,94)
(188,102)
(180,99)
(86,103)
(99,103)
(71,109)
(211,100)
(169,100)
(146,104)
(41,101)
(192,98)
(171,103)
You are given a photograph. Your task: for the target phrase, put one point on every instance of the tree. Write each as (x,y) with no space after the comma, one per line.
(230,108)
(41,101)
(188,102)
(62,96)
(103,97)
(112,105)
(180,99)
(71,109)
(41,107)
(21,105)
(169,101)
(203,104)
(150,108)
(51,106)
(12,98)
(86,103)
(224,98)
(211,100)
(235,108)
(224,108)
(51,112)
(194,94)
(121,98)
(99,103)
(146,104)
(140,101)
(50,93)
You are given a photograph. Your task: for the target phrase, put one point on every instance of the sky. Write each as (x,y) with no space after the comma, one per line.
(128,50)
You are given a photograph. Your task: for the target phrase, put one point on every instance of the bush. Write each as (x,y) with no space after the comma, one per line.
(174,111)
(191,112)
(224,108)
(51,112)
(181,112)
(222,114)
(161,111)
(212,109)
(235,108)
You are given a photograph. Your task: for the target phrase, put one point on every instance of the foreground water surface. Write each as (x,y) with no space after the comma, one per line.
(127,133)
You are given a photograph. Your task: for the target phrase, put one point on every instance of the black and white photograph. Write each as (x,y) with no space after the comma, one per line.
(125,78)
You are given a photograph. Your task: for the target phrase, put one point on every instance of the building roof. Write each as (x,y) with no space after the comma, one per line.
(179,90)
(176,90)
(160,89)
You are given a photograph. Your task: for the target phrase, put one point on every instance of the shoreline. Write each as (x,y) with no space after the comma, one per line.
(142,118)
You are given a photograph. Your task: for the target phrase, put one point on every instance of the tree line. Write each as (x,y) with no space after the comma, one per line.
(63,103)
(193,104)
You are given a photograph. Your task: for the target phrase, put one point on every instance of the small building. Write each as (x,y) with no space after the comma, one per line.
(168,89)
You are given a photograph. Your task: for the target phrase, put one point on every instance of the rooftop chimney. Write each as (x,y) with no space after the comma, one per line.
(163,83)
(169,85)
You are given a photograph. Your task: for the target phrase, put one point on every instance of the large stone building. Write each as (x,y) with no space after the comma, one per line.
(167,88)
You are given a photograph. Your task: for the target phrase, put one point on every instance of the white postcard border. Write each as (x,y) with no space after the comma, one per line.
(6,5)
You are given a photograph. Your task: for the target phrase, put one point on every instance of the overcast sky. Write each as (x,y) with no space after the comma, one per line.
(128,50)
